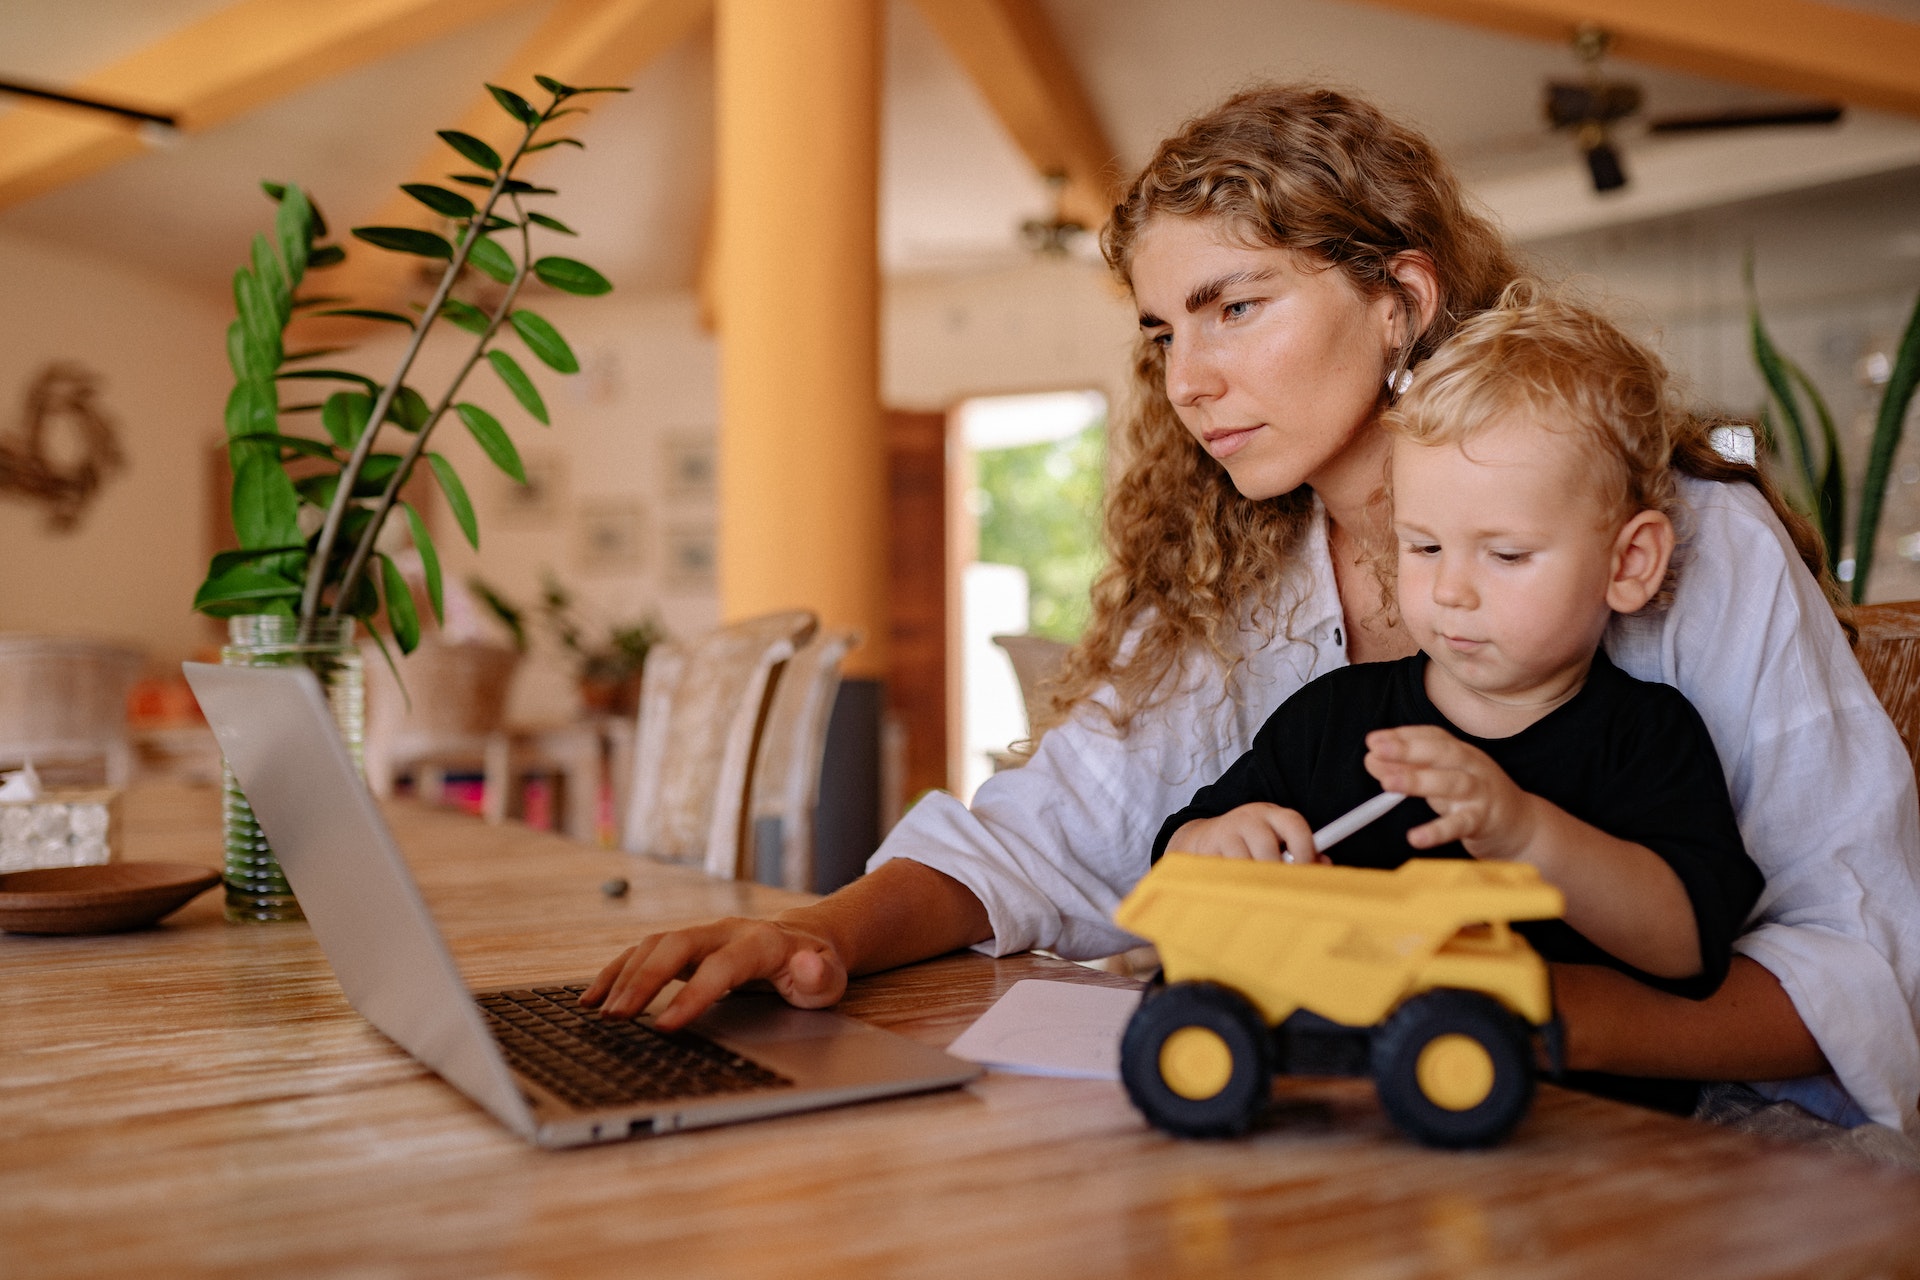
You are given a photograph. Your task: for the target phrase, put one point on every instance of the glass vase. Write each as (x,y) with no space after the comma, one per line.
(256,887)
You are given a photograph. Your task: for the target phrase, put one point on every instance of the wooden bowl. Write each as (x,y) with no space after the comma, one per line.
(102,899)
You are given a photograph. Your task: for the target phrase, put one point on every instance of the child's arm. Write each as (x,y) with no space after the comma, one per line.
(1260,831)
(1622,896)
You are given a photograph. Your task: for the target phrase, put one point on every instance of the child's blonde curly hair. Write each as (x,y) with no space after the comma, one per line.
(1568,368)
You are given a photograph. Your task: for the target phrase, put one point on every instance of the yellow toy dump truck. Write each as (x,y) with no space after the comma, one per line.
(1412,976)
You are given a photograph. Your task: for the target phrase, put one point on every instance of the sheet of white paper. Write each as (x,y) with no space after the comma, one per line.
(1044,1028)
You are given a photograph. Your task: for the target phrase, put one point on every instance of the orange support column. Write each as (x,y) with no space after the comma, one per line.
(802,446)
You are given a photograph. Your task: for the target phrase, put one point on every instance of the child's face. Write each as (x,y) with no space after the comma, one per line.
(1505,555)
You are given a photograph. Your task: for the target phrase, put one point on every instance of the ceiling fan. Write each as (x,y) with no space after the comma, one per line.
(119,110)
(1591,107)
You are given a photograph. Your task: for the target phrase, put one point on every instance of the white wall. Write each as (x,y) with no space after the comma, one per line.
(129,570)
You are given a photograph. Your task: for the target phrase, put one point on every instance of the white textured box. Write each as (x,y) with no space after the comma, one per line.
(63,828)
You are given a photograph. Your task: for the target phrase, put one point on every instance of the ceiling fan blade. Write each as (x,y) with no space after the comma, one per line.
(1757,118)
(1568,104)
(124,111)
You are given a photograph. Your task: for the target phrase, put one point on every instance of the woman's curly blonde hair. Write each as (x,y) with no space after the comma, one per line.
(1189,560)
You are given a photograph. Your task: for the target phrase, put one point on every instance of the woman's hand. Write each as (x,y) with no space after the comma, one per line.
(714,959)
(1477,803)
(1261,832)
(902,912)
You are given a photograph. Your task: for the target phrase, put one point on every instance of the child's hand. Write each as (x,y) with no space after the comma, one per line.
(1262,832)
(1478,804)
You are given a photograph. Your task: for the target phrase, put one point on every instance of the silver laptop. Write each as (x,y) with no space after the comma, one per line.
(556,1075)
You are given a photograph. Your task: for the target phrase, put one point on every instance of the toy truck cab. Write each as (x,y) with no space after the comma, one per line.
(1414,976)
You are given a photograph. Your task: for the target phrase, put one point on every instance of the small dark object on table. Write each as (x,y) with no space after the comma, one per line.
(615,888)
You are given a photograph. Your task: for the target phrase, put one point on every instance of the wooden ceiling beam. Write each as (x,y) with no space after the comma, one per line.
(211,71)
(1791,46)
(1010,50)
(582,42)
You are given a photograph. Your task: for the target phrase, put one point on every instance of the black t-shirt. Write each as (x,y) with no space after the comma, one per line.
(1627,756)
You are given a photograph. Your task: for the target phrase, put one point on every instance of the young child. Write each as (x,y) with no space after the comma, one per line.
(1531,501)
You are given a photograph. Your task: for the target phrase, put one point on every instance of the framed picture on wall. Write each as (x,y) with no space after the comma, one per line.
(610,536)
(688,463)
(690,558)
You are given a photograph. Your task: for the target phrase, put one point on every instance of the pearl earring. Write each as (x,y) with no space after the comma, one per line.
(1398,380)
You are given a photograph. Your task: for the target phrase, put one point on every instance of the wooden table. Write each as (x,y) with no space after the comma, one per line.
(199,1100)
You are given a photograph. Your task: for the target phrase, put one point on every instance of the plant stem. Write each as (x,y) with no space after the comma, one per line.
(364,549)
(376,420)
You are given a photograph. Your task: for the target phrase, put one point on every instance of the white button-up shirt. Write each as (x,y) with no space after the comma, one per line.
(1822,784)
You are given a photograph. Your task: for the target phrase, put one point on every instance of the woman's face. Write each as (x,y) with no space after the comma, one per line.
(1273,364)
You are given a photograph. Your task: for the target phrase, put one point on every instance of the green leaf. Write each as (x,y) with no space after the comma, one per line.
(375,474)
(457,500)
(545,342)
(242,588)
(1779,383)
(409,410)
(273,283)
(492,259)
(472,148)
(295,444)
(293,227)
(328,375)
(569,276)
(326,255)
(1889,426)
(252,409)
(400,613)
(450,204)
(265,504)
(259,323)
(429,561)
(471,180)
(493,439)
(513,104)
(464,315)
(556,142)
(519,383)
(318,491)
(516,187)
(497,223)
(557,88)
(248,358)
(551,224)
(1830,493)
(312,353)
(345,416)
(604,88)
(368,313)
(412,240)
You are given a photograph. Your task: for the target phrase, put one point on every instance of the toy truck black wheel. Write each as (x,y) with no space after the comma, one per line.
(1454,1069)
(1197,1060)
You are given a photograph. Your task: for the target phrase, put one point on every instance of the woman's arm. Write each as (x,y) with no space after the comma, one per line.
(901,913)
(1747,1030)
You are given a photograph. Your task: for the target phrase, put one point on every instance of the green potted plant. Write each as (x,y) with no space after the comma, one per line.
(309,508)
(608,658)
(1815,464)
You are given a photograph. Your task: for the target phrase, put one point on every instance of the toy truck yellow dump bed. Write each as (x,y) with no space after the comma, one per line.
(1346,943)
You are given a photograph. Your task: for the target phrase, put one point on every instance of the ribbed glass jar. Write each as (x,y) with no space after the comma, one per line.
(256,887)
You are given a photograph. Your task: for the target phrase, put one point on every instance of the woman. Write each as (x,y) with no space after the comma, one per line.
(1292,254)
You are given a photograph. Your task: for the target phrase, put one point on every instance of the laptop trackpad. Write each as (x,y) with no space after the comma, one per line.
(758,1019)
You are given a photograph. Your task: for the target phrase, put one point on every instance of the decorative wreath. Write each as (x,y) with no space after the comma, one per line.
(64,448)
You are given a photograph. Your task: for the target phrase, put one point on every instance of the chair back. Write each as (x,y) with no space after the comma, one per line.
(1036,659)
(1889,653)
(702,703)
(63,700)
(450,713)
(786,772)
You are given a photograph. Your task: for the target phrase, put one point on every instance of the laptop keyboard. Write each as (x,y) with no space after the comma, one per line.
(591,1062)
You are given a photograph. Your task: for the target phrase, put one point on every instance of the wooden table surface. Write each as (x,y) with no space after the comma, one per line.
(198,1099)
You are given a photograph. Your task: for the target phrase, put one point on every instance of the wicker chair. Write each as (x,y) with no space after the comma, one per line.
(786,771)
(458,694)
(702,704)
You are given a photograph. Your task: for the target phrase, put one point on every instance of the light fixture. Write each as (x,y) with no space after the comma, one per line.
(1053,237)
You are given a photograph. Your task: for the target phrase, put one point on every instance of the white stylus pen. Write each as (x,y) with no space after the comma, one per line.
(1353,820)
